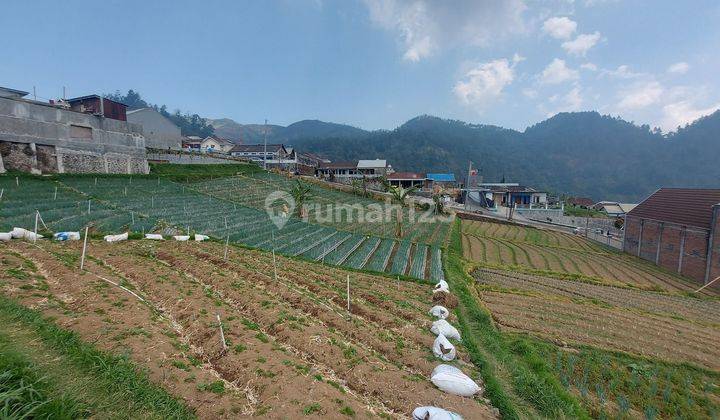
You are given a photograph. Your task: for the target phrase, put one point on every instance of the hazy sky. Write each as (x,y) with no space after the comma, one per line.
(375,63)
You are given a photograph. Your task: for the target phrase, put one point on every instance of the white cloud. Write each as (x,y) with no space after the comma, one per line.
(640,95)
(683,112)
(484,82)
(679,68)
(424,27)
(622,72)
(557,72)
(571,101)
(582,44)
(518,58)
(588,66)
(559,27)
(530,93)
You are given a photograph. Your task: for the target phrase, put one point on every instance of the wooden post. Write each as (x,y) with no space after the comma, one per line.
(227,242)
(17,182)
(82,258)
(37,216)
(132,216)
(2,191)
(348,293)
(96,182)
(222,333)
(55,195)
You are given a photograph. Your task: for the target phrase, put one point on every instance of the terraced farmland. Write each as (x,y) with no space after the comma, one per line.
(292,349)
(342,213)
(647,325)
(145,204)
(558,254)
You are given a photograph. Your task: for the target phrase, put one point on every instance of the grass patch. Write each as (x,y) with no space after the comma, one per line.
(108,383)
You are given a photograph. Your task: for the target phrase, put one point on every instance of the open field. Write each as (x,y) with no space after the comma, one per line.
(669,343)
(292,348)
(112,204)
(549,253)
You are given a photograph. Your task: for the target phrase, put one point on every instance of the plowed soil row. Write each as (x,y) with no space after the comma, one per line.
(292,348)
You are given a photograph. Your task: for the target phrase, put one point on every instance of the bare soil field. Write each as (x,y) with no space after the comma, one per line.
(548,253)
(290,348)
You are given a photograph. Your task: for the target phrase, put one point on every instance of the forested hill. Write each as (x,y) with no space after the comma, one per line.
(580,153)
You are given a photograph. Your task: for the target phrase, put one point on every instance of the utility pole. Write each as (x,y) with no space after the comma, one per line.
(467,186)
(265,149)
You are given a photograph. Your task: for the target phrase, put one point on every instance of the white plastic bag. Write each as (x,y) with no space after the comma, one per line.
(181,238)
(443,327)
(439,312)
(116,238)
(154,236)
(200,238)
(67,236)
(434,413)
(18,233)
(31,236)
(442,286)
(443,348)
(5,236)
(451,380)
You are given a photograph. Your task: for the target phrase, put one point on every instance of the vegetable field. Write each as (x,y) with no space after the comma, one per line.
(110,204)
(669,342)
(230,339)
(327,206)
(559,254)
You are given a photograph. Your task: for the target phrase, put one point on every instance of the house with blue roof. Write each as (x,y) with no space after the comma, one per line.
(442,180)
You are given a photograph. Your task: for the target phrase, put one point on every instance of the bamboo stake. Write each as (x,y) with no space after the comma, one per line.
(348,293)
(17,182)
(37,216)
(82,258)
(55,195)
(716,279)
(2,191)
(88,206)
(132,216)
(227,242)
(222,333)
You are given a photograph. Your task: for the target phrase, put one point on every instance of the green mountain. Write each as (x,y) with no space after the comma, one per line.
(579,153)
(254,133)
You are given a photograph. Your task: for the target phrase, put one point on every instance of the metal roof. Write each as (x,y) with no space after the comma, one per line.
(441,177)
(372,163)
(82,98)
(20,93)
(683,206)
(339,165)
(256,148)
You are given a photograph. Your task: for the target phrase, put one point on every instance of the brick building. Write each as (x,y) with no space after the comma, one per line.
(678,229)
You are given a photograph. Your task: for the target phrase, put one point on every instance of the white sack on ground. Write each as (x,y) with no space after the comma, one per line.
(200,238)
(434,413)
(31,236)
(116,238)
(443,327)
(451,380)
(154,236)
(18,233)
(439,312)
(443,348)
(442,286)
(5,236)
(67,236)
(181,238)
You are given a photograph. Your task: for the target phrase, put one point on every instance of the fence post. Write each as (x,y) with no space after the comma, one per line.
(37,215)
(348,293)
(82,258)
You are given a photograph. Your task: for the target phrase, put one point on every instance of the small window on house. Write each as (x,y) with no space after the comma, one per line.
(80,132)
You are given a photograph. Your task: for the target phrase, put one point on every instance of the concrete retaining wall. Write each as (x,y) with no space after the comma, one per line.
(38,137)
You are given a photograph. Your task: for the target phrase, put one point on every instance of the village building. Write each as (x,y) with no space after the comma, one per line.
(407,180)
(215,144)
(260,152)
(192,143)
(373,168)
(441,180)
(613,208)
(158,130)
(678,229)
(510,194)
(85,134)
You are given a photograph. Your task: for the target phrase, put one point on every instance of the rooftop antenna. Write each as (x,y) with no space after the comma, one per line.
(34,94)
(265,149)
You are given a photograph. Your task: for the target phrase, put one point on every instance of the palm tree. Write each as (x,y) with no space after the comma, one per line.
(300,193)
(399,195)
(437,199)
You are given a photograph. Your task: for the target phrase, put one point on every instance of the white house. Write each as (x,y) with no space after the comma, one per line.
(216,144)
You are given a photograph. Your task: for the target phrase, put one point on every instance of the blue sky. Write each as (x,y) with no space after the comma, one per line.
(376,63)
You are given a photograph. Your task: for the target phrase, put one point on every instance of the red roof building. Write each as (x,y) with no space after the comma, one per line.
(679,229)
